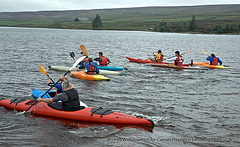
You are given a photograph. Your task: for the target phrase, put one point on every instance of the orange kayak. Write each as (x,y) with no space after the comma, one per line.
(82,75)
(206,64)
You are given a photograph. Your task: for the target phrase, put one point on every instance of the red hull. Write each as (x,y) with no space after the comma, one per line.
(86,114)
(139,60)
(148,61)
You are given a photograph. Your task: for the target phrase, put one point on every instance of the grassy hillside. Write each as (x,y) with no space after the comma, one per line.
(142,18)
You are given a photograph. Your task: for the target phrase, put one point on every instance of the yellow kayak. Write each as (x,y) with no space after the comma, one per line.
(84,76)
(206,64)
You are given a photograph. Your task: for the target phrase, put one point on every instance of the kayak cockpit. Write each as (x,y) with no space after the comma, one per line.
(58,106)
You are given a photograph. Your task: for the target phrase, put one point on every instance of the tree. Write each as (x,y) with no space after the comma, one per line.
(219,29)
(193,24)
(76,19)
(97,22)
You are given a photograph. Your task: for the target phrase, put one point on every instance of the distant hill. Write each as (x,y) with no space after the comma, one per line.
(209,18)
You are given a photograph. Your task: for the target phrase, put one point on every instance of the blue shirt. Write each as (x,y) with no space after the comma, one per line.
(211,59)
(58,86)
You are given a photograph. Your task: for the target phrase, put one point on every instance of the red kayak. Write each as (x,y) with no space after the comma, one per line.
(148,61)
(139,60)
(90,114)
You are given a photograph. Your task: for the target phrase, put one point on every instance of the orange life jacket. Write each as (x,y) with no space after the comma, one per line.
(92,70)
(104,61)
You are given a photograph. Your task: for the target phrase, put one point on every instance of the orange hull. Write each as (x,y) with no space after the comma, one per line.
(82,75)
(90,114)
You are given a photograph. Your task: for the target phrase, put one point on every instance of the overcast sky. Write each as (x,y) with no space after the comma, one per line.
(43,5)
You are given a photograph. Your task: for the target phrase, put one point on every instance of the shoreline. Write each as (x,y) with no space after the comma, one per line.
(196,33)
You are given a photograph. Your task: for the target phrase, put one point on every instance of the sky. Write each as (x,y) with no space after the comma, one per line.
(52,5)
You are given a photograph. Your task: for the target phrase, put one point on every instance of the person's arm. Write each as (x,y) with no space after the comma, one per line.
(97,59)
(47,100)
(219,61)
(171,59)
(108,61)
(86,65)
(209,58)
(49,80)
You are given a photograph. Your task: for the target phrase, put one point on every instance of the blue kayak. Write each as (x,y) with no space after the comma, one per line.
(38,93)
(113,68)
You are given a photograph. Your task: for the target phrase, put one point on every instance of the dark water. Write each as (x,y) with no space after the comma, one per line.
(189,108)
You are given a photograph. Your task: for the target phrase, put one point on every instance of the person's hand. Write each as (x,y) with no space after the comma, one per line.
(39,99)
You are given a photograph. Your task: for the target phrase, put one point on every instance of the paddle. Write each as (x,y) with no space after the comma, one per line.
(205,53)
(181,54)
(84,50)
(43,71)
(74,65)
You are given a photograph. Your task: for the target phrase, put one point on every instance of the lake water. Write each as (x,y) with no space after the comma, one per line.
(189,107)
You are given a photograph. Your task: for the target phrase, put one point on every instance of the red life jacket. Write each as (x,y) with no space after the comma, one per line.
(215,61)
(104,61)
(92,70)
(85,59)
(179,60)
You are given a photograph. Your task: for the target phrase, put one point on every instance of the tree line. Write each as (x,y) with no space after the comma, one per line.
(194,26)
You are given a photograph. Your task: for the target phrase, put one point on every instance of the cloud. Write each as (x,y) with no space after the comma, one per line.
(43,5)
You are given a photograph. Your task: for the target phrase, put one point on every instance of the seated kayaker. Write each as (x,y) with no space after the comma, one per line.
(159,57)
(58,86)
(69,97)
(81,64)
(178,60)
(103,61)
(214,60)
(91,67)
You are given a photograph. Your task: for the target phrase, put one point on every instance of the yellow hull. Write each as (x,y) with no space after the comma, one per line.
(206,64)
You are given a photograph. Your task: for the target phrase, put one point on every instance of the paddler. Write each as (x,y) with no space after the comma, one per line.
(103,61)
(178,60)
(159,57)
(91,67)
(58,86)
(69,98)
(214,60)
(81,64)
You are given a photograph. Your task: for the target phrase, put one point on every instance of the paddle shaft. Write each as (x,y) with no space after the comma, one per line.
(205,52)
(50,78)
(181,54)
(46,92)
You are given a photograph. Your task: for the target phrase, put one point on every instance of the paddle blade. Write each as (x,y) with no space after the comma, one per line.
(42,69)
(77,62)
(84,50)
(72,55)
(205,53)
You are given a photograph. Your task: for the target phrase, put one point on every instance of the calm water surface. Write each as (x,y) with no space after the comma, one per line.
(189,107)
